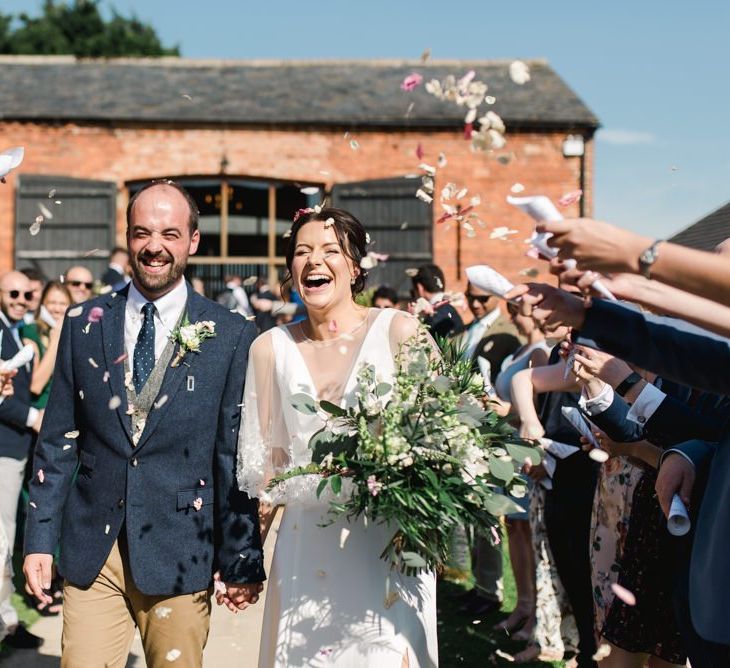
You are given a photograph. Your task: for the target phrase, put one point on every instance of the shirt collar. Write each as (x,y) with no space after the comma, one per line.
(167,308)
(436,298)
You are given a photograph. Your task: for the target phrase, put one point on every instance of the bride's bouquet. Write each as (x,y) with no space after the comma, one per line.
(423,455)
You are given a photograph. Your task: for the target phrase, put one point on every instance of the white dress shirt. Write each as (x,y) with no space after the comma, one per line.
(478,330)
(168,310)
(32,412)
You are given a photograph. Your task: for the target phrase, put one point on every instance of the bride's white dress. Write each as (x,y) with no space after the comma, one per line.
(331,600)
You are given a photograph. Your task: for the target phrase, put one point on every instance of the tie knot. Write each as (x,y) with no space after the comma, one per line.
(148,310)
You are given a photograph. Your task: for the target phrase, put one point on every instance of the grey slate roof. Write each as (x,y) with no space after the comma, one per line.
(339,93)
(707,232)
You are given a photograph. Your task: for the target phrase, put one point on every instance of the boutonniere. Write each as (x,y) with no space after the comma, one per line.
(189,336)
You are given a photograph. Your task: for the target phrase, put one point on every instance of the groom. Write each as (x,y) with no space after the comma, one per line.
(134,468)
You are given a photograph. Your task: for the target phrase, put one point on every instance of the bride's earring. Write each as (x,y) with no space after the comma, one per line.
(352,280)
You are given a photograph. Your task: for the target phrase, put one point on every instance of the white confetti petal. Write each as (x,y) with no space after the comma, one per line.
(424,196)
(344,535)
(45,211)
(309,190)
(519,72)
(93,363)
(251,280)
(72,434)
(67,447)
(173,655)
(51,193)
(81,395)
(161,401)
(163,612)
(106,529)
(354,144)
(114,403)
(517,188)
(32,504)
(623,594)
(105,377)
(75,311)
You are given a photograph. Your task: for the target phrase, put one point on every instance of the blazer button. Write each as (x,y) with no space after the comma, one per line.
(133,461)
(120,503)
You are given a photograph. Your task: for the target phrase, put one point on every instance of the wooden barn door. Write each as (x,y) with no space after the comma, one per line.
(83,220)
(399,225)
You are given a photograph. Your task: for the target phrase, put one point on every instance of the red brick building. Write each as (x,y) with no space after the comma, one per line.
(246,137)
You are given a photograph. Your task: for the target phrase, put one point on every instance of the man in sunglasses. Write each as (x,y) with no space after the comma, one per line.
(18,421)
(79,282)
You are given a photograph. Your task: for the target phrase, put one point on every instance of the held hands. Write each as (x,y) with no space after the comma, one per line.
(236,596)
(38,571)
(676,476)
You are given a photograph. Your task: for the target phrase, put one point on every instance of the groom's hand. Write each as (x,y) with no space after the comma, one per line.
(240,596)
(38,570)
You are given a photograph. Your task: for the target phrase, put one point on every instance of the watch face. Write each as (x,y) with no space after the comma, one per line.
(647,256)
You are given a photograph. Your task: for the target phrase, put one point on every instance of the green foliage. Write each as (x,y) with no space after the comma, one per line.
(421,456)
(78,28)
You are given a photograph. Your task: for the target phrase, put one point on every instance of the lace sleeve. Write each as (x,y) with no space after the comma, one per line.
(263,445)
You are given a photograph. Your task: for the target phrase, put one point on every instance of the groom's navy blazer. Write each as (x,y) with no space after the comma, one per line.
(97,484)
(699,359)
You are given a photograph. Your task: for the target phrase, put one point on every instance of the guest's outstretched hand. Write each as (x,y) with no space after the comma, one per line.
(676,476)
(596,245)
(550,307)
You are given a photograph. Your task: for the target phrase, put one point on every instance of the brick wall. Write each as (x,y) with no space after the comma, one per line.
(126,153)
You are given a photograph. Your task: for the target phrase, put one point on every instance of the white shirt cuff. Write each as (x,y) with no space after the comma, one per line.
(550,464)
(32,417)
(598,404)
(646,404)
(676,452)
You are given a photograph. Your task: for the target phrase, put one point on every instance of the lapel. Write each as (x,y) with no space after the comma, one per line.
(112,333)
(174,376)
(9,346)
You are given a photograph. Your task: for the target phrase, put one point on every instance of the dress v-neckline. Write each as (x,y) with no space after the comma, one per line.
(353,366)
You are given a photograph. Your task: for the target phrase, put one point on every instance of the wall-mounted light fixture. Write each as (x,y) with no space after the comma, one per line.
(573,146)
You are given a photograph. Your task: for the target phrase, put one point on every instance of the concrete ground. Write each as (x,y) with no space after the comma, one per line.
(233,639)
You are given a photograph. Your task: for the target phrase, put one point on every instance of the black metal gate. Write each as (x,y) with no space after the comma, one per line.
(80,230)
(399,225)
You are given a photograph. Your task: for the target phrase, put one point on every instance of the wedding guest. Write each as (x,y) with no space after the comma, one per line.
(385,297)
(198,285)
(37,282)
(442,319)
(569,501)
(234,297)
(488,339)
(80,283)
(18,421)
(116,275)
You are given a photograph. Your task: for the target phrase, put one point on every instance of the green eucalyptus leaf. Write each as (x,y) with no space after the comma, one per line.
(324,442)
(304,403)
(336,483)
(499,504)
(332,409)
(501,469)
(413,560)
(521,452)
(382,389)
(321,486)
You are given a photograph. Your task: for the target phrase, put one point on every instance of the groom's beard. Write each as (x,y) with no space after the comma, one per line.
(157,282)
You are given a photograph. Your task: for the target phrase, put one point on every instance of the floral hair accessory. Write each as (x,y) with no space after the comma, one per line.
(302,212)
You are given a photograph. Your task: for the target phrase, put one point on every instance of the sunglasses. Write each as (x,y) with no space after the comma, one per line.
(14,294)
(78,284)
(482,299)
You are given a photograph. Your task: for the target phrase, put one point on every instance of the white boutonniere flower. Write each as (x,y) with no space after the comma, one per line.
(189,336)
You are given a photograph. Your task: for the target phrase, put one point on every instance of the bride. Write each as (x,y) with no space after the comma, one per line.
(331,600)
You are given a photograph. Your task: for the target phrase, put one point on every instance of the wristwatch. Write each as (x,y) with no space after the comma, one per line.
(627,383)
(648,258)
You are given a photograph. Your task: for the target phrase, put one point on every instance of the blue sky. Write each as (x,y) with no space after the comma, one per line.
(655,73)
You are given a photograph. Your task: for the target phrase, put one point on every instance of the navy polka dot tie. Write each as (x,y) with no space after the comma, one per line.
(144,350)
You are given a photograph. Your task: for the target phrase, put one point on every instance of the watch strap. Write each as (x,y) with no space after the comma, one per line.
(627,383)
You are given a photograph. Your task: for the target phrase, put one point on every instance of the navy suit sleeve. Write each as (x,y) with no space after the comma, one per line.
(674,421)
(55,454)
(700,452)
(615,423)
(671,348)
(239,551)
(14,411)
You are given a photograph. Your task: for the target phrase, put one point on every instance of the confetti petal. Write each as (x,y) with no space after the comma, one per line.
(67,447)
(173,655)
(163,612)
(107,528)
(517,188)
(93,363)
(411,82)
(309,190)
(623,594)
(198,503)
(114,403)
(121,358)
(105,377)
(602,652)
(45,211)
(419,151)
(570,198)
(72,434)
(251,280)
(424,196)
(161,401)
(519,72)
(344,535)
(41,476)
(96,313)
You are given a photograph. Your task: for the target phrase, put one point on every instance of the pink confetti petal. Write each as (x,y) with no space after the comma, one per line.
(623,594)
(468,129)
(41,476)
(121,358)
(198,503)
(332,327)
(570,198)
(95,314)
(419,151)
(411,82)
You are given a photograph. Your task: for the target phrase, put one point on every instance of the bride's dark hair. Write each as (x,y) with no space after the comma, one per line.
(350,235)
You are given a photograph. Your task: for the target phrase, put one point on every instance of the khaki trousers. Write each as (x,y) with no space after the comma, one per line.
(99,622)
